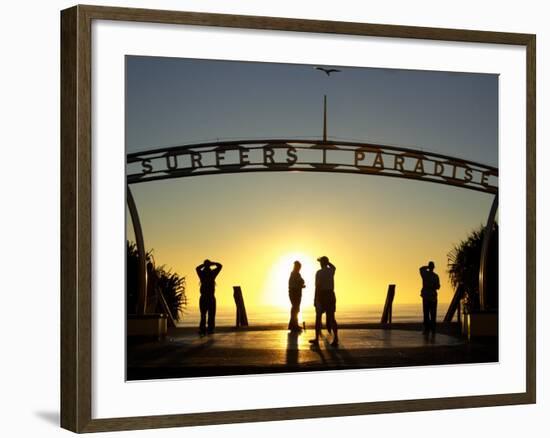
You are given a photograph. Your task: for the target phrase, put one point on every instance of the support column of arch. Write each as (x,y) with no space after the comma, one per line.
(142,269)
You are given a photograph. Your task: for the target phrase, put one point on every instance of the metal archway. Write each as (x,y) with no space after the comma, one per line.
(276,155)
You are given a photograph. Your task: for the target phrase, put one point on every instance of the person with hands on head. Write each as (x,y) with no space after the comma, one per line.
(325,300)
(207,272)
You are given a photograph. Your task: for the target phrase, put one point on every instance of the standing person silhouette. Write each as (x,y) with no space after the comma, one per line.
(325,300)
(295,286)
(207,272)
(430,285)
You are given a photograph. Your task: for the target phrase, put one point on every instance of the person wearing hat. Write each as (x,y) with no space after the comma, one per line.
(295,286)
(430,285)
(207,272)
(325,300)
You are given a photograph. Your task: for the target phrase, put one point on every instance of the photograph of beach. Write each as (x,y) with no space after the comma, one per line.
(308,218)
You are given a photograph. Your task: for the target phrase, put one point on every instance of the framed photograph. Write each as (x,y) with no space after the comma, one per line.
(269,218)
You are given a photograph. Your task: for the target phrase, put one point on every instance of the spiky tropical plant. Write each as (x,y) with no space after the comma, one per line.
(463,268)
(170,284)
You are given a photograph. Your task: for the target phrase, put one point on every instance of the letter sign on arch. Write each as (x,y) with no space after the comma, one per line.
(275,155)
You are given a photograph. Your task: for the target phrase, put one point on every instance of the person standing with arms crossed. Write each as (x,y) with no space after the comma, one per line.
(430,285)
(325,300)
(295,286)
(207,272)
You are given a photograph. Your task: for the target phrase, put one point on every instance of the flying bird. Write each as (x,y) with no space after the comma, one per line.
(328,71)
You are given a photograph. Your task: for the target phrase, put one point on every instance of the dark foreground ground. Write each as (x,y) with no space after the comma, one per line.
(272,349)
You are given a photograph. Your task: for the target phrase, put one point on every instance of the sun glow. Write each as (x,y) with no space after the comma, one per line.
(276,287)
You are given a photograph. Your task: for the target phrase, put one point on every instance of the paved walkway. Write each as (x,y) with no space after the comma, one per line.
(245,352)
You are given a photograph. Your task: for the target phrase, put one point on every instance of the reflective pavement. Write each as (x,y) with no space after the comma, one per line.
(243,352)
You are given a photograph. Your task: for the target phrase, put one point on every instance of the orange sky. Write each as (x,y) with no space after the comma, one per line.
(375,230)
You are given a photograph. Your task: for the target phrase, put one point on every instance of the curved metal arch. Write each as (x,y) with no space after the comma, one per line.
(485,254)
(309,156)
(140,244)
(319,143)
(276,155)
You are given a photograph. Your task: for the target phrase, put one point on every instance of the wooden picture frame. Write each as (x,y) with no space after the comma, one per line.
(76,218)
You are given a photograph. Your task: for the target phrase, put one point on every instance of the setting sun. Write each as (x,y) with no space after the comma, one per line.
(276,287)
(230,192)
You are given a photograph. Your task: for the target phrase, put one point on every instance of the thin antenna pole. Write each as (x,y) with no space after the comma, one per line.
(325,119)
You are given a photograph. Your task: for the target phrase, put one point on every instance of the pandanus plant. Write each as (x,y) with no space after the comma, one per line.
(463,268)
(170,284)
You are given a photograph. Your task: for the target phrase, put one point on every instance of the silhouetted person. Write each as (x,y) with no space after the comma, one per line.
(430,285)
(207,272)
(295,286)
(325,300)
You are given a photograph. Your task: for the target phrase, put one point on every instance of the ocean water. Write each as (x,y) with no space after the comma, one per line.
(278,315)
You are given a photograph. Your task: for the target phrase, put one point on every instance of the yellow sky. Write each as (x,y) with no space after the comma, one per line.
(375,230)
